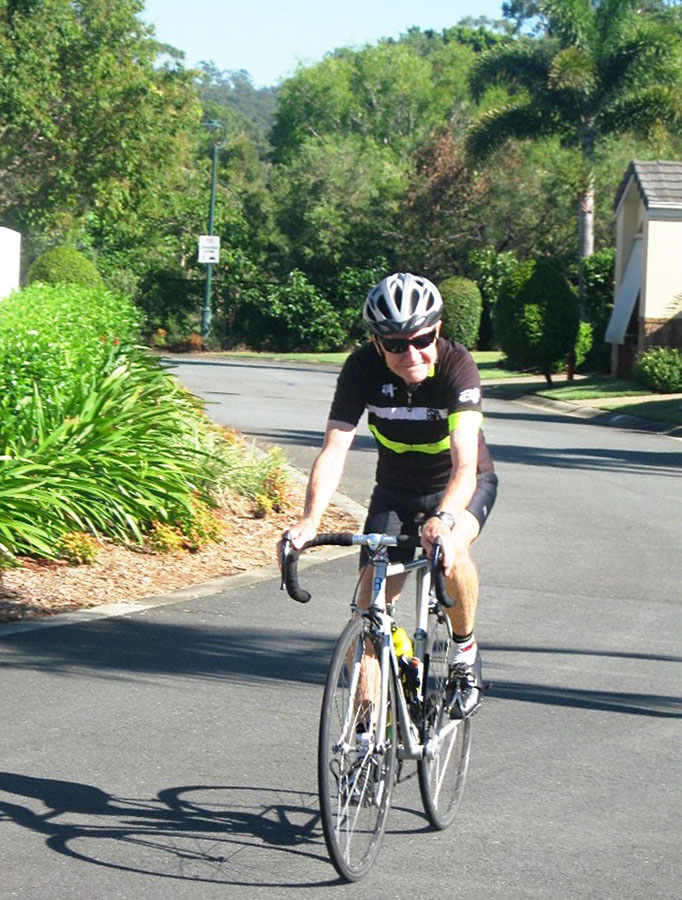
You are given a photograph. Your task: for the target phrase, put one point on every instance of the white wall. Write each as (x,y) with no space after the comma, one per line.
(10,256)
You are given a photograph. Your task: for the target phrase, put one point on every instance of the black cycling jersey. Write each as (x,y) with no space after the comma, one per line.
(411,424)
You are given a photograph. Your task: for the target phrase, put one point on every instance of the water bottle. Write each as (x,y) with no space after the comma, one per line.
(406,662)
(401,642)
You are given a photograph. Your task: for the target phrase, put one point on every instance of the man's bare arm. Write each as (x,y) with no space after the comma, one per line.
(324,479)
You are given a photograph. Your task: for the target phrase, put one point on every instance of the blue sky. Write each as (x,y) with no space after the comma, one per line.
(269,38)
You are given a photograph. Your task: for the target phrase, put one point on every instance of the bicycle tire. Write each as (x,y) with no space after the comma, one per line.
(354,792)
(442,770)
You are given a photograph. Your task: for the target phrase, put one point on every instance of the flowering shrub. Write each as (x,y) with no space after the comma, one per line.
(78,548)
(660,368)
(164,538)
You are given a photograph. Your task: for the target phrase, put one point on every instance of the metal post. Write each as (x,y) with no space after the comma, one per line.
(207,311)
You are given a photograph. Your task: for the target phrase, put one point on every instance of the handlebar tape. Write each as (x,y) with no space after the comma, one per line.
(290,567)
(438,575)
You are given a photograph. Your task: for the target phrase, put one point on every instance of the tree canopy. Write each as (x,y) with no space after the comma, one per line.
(89,126)
(429,153)
(603,68)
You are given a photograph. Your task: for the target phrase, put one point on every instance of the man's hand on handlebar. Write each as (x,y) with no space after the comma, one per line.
(302,531)
(434,528)
(296,536)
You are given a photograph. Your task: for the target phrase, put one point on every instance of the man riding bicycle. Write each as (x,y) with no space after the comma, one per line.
(423,399)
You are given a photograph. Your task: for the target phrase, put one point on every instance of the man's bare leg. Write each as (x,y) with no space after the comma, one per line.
(465,681)
(462,580)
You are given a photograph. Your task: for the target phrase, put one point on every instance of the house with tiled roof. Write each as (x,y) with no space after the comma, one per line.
(648,276)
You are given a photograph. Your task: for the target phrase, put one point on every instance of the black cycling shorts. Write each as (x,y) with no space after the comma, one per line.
(394,512)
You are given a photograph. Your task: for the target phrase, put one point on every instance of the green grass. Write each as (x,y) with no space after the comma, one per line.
(490,366)
(488,361)
(593,387)
(669,411)
(96,437)
(334,359)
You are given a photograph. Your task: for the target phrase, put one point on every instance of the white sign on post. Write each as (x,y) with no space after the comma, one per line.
(209,248)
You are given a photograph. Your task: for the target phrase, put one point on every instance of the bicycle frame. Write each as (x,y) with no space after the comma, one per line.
(382,619)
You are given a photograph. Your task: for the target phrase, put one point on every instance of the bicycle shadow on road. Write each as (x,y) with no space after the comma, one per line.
(232,835)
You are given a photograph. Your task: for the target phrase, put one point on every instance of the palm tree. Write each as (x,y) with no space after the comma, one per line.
(603,67)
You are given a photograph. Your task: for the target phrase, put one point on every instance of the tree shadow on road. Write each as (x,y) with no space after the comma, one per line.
(636,462)
(201,833)
(299,437)
(657,705)
(120,647)
(135,648)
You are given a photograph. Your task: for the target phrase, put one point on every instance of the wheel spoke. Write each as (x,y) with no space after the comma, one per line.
(442,771)
(354,784)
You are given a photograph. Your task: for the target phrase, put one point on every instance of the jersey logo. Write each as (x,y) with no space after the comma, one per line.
(433,415)
(388,390)
(471,395)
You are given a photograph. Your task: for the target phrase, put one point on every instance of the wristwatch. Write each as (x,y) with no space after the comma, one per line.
(445,517)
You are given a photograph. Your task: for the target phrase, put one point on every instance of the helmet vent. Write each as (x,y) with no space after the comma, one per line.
(382,307)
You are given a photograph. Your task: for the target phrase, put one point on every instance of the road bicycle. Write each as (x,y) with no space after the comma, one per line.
(382,706)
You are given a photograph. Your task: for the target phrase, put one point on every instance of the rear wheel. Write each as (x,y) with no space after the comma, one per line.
(442,770)
(355,777)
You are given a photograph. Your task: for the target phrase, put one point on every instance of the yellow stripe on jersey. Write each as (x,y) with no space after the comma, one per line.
(465,418)
(399,447)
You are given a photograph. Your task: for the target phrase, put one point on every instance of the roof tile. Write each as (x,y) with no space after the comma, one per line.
(659,183)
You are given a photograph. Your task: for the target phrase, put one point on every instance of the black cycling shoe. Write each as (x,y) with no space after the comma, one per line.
(464,691)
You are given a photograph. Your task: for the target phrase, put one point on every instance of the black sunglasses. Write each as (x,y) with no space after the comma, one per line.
(401,345)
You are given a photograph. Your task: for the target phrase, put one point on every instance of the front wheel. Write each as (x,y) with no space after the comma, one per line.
(355,776)
(443,768)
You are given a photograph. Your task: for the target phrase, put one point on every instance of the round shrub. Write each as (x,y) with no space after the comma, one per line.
(462,307)
(64,265)
(536,317)
(660,368)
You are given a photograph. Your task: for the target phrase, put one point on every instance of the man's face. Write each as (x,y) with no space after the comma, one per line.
(407,361)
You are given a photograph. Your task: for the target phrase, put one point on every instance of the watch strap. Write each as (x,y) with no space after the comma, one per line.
(445,517)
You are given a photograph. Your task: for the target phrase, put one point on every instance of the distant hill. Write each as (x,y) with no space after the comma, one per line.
(234,90)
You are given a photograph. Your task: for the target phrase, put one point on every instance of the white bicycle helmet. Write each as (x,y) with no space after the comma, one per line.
(402,303)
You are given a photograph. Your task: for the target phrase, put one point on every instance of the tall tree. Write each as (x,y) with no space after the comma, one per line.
(89,126)
(603,67)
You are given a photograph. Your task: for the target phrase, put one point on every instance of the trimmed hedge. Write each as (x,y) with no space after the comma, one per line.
(462,308)
(537,317)
(64,265)
(55,335)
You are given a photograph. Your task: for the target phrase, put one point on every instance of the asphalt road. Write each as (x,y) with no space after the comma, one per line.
(171,752)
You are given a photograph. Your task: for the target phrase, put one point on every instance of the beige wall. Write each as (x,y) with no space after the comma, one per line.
(662,277)
(629,222)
